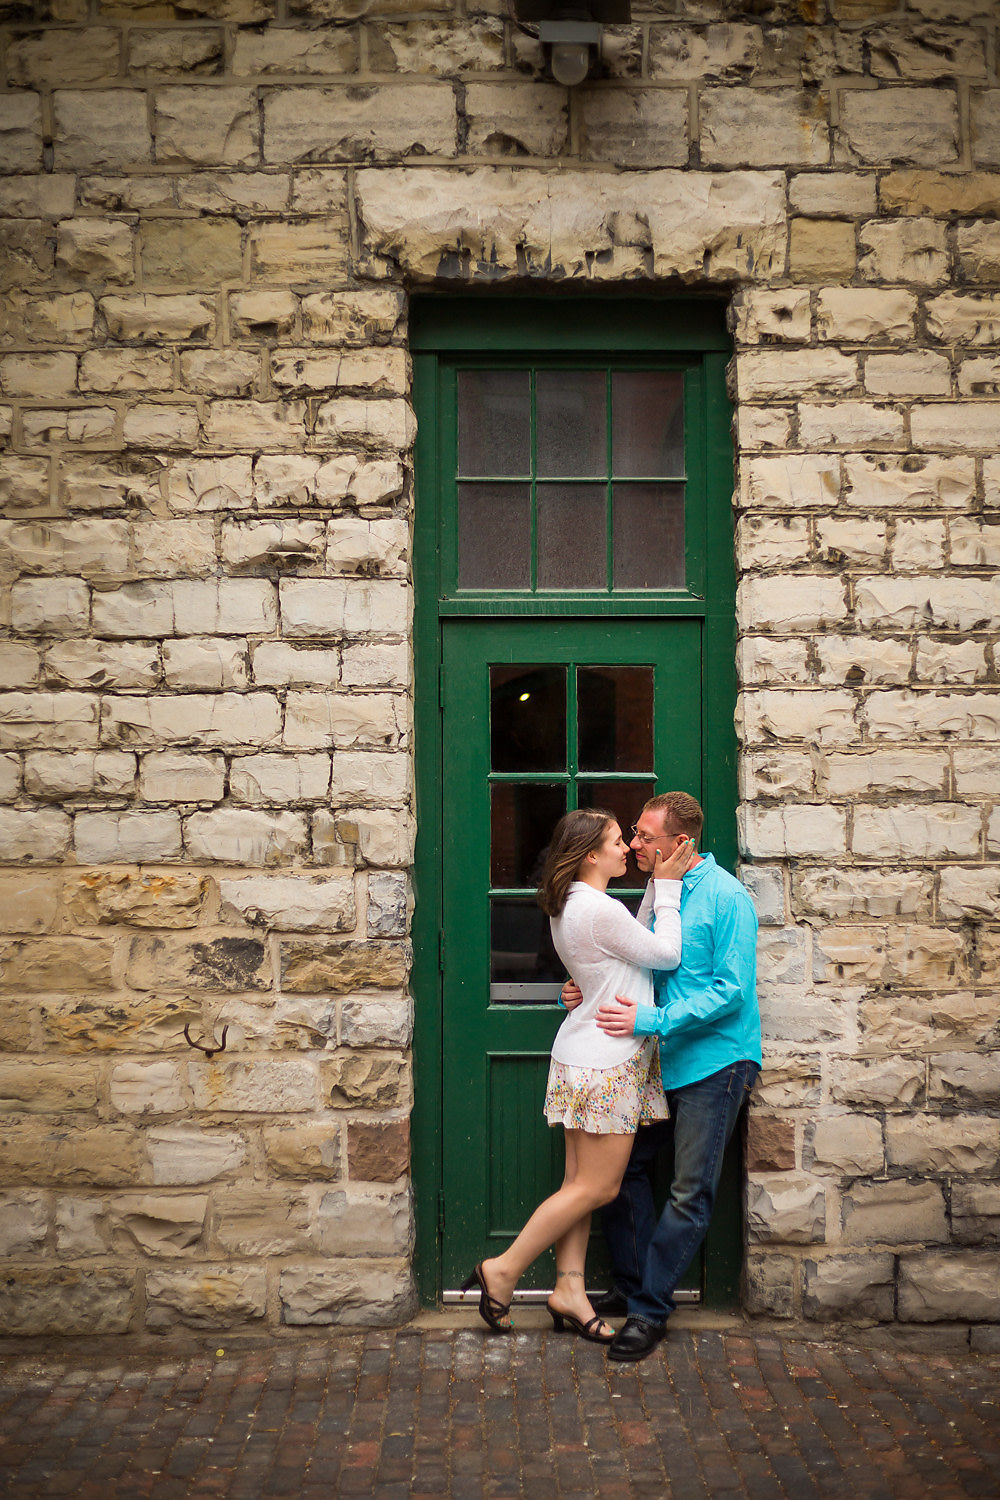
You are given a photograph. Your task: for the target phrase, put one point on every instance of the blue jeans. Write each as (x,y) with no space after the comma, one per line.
(650,1257)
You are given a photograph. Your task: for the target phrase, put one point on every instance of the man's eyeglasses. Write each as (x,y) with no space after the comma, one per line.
(645,839)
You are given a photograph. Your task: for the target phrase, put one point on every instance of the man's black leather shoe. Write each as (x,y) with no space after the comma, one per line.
(610,1304)
(635,1340)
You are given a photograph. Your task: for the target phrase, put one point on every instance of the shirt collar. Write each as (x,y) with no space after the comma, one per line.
(693,876)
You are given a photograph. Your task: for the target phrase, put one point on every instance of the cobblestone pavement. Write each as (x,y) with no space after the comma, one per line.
(454,1412)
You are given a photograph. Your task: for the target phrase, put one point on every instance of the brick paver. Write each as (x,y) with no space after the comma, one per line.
(454,1412)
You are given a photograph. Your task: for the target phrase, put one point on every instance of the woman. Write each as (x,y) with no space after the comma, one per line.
(600,1086)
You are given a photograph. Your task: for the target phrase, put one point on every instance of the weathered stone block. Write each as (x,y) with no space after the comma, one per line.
(346,1292)
(776,773)
(787,1208)
(890,1083)
(376,1023)
(318,903)
(258,1221)
(88,1156)
(206,126)
(933,1143)
(352,1221)
(965,1078)
(24,1223)
(365,1080)
(309,1151)
(975,1212)
(939,1286)
(238,837)
(797,481)
(818,717)
(102,664)
(185,251)
(106,773)
(28,901)
(897,715)
(845,194)
(301,252)
(219,963)
(340,967)
(140,899)
(276,664)
(182,53)
(916,481)
(127,837)
(21,132)
(901,126)
(50,606)
(31,1086)
(209,663)
(770,1143)
(288,545)
(116,371)
(787,373)
(857,315)
(209,1297)
(849,1145)
(49,376)
(159,1225)
(148,1088)
(770,1283)
(862,772)
(763,127)
(822,249)
(210,484)
(327,606)
(153,317)
(281,779)
(352,318)
(849,1287)
(226,721)
(261,1085)
(378,1152)
(38,836)
(916,831)
(985,126)
(635,127)
(354,123)
(894,1213)
(807,829)
(66,1301)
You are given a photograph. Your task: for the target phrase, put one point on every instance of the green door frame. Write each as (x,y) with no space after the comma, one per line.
(488,325)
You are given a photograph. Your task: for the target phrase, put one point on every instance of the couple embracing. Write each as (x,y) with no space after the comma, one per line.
(661,1043)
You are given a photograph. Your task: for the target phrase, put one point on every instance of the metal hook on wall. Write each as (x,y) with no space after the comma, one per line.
(208,1051)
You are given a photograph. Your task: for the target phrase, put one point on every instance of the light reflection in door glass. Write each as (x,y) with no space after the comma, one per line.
(528,718)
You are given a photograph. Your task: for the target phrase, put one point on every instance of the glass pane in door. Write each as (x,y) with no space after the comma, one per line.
(528,718)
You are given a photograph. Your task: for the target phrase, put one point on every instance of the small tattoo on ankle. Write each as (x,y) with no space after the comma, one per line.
(577,1274)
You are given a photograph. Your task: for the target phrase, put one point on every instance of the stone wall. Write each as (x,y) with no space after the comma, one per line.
(211,214)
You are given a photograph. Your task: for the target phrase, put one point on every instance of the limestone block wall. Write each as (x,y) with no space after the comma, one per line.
(211,215)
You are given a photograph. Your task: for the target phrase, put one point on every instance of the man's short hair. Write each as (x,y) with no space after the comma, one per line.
(681,813)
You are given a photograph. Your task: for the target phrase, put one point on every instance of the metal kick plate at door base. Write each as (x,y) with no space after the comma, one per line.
(530,1297)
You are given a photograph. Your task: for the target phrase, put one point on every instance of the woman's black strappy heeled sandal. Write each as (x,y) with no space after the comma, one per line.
(490,1310)
(589,1330)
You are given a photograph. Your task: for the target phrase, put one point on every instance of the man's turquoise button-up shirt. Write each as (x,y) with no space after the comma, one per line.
(706,1014)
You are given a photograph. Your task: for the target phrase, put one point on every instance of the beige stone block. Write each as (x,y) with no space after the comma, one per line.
(106,773)
(92,548)
(49,195)
(862,772)
(281,779)
(818,717)
(321,607)
(984,117)
(146,899)
(88,483)
(121,371)
(790,603)
(841,194)
(97,664)
(63,318)
(376,1023)
(795,481)
(352,318)
(850,955)
(55,721)
(67,1301)
(289,50)
(21,132)
(49,376)
(57,57)
(968,1144)
(440,47)
(334,840)
(30,1086)
(148,1088)
(152,317)
(956,425)
(977,770)
(774,660)
(161,426)
(158,1225)
(894,1213)
(172,776)
(24,483)
(90,1156)
(898,127)
(777,773)
(940,193)
(27,251)
(970,894)
(215,1297)
(210,663)
(384,837)
(309,1151)
(317,720)
(927,602)
(835,893)
(206,252)
(96,250)
(79,425)
(594,224)
(918,544)
(975,1212)
(356,1221)
(979,376)
(28,902)
(255,424)
(242,194)
(891,1023)
(376,665)
(261,1085)
(916,831)
(726,51)
(10,777)
(907,715)
(382,371)
(763,127)
(300,251)
(232,721)
(127,193)
(942,1286)
(920,373)
(516,119)
(164,549)
(24,1223)
(182,53)
(946,662)
(821,249)
(210,484)
(220,372)
(319,903)
(282,544)
(239,836)
(337,967)
(180,1154)
(634,127)
(357,123)
(261,1221)
(978,252)
(909,250)
(358,481)
(352,420)
(916,481)
(276,664)
(772,541)
(365,1080)
(206,126)
(765,316)
(850,424)
(371,775)
(967,318)
(860,314)
(787,1208)
(787,373)
(932,52)
(971,1078)
(100,128)
(264,314)
(115,1023)
(854,1287)
(50,606)
(803,829)
(849,1145)
(126,837)
(850,541)
(38,836)
(354,1293)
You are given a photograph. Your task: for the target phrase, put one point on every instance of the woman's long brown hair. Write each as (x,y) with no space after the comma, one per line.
(575,835)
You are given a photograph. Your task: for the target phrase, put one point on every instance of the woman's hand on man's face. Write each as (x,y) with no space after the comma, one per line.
(677,862)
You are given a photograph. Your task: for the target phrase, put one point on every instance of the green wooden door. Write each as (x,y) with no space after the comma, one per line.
(539,718)
(574,643)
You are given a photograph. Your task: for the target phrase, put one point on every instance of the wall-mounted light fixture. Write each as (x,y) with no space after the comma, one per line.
(571,31)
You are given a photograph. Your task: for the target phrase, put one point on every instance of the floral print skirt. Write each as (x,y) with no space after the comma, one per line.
(607,1101)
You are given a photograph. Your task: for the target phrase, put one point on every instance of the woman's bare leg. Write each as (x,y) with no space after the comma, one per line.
(570,1292)
(600,1162)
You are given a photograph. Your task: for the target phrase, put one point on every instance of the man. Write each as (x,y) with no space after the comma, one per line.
(708,1025)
